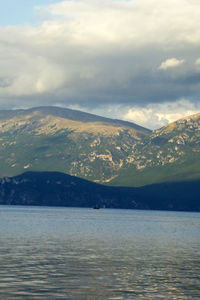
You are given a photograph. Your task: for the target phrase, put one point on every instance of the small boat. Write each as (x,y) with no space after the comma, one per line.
(96,207)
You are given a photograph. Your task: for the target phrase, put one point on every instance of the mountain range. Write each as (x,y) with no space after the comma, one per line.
(98,149)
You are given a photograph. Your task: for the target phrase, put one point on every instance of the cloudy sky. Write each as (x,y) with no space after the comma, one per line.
(137,60)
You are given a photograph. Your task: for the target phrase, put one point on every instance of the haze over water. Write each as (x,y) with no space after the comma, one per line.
(86,254)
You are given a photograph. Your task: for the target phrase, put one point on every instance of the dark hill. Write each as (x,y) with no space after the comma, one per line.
(57,189)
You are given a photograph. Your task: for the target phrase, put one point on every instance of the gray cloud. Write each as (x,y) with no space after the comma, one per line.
(93,53)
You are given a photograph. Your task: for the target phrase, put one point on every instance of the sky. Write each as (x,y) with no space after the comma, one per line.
(137,60)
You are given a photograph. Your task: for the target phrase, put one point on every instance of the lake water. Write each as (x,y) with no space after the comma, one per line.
(86,254)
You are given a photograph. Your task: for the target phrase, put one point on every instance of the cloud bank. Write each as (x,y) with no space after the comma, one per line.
(103,53)
(157,115)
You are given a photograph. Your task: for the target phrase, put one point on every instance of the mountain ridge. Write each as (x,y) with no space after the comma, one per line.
(67,113)
(36,140)
(98,149)
(173,151)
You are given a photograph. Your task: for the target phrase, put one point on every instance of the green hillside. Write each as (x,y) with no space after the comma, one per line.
(98,149)
(171,153)
(72,142)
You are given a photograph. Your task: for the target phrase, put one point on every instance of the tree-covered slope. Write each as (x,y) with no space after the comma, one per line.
(57,189)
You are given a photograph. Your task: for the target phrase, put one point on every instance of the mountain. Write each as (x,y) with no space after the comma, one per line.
(171,153)
(98,149)
(57,189)
(65,140)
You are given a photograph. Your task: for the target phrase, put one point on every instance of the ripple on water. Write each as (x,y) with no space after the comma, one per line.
(79,254)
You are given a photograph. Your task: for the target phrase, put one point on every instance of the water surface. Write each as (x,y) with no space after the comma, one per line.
(86,254)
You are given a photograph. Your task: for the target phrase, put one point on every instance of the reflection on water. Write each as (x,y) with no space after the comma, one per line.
(84,254)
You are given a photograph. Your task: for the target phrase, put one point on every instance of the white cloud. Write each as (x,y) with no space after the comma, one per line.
(171,63)
(101,51)
(155,116)
(134,20)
